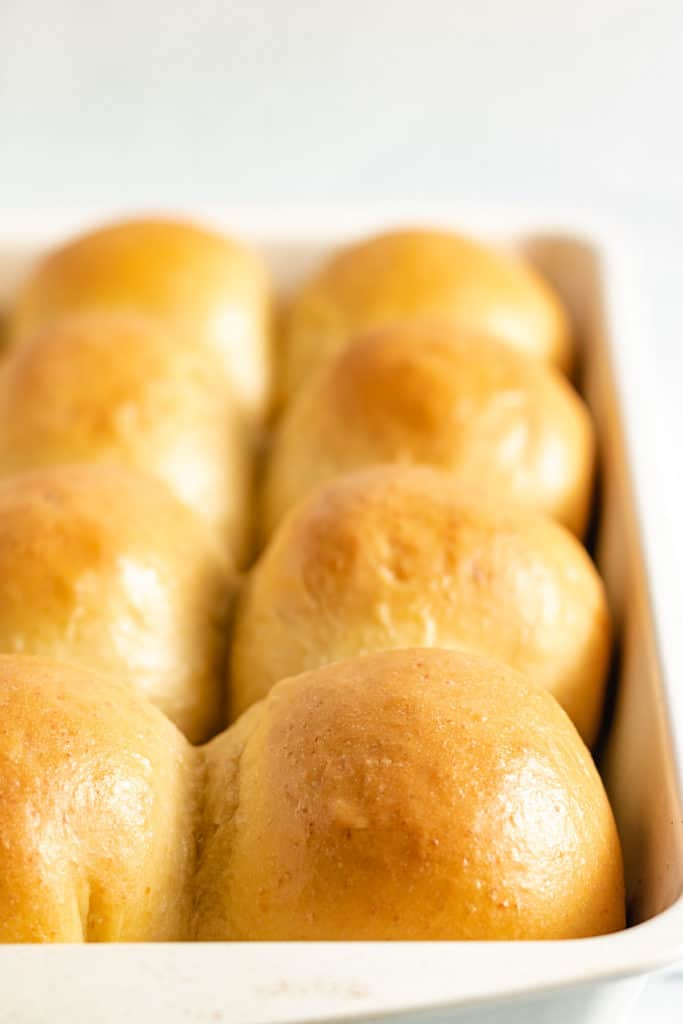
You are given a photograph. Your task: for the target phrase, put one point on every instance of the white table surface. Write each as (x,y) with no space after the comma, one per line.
(572,106)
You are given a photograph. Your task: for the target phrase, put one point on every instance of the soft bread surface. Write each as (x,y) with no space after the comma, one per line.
(388,779)
(400,556)
(104,567)
(498,421)
(210,291)
(97,806)
(415,794)
(113,388)
(420,275)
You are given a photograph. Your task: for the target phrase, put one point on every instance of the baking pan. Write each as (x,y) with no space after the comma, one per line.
(466,983)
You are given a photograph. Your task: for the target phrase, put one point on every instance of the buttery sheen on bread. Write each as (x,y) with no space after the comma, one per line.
(103,567)
(498,421)
(414,794)
(401,556)
(113,388)
(418,275)
(210,291)
(402,769)
(98,795)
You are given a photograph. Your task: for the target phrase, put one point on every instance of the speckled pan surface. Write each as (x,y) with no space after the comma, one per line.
(468,983)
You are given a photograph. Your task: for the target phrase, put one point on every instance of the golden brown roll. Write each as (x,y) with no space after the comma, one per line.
(104,567)
(496,420)
(97,810)
(399,556)
(110,387)
(421,275)
(413,794)
(209,290)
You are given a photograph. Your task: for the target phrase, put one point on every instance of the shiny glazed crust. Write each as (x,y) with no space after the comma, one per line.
(114,388)
(497,420)
(98,795)
(210,291)
(401,556)
(102,566)
(415,275)
(421,791)
(414,794)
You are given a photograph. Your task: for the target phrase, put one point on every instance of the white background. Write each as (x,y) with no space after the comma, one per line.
(575,106)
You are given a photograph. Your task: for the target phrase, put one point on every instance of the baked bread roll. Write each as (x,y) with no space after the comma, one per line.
(399,556)
(413,794)
(97,805)
(111,387)
(421,275)
(101,566)
(497,420)
(209,290)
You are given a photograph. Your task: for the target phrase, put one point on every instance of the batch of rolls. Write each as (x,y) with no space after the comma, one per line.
(298,636)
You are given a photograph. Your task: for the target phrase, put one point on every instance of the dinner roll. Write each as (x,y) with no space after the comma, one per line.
(102,566)
(110,387)
(420,275)
(399,556)
(97,806)
(496,419)
(209,290)
(412,794)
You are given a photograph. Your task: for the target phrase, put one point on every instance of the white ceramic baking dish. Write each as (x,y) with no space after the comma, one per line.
(577,981)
